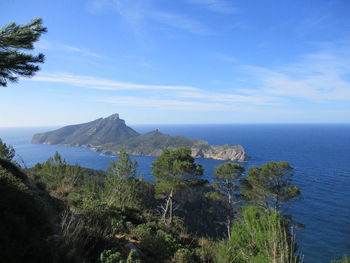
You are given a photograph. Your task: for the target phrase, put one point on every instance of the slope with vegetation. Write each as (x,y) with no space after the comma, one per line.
(110,135)
(55,212)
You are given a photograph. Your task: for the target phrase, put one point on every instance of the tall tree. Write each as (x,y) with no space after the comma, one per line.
(121,183)
(13,40)
(124,166)
(271,185)
(227,183)
(174,169)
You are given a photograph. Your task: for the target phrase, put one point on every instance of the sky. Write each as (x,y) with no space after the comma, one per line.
(184,62)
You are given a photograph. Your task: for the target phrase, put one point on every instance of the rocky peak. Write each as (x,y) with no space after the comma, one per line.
(114,117)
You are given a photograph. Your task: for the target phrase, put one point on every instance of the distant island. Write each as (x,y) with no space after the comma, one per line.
(110,135)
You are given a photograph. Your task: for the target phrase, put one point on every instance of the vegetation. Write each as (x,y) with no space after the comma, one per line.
(345,259)
(270,186)
(13,40)
(174,169)
(56,212)
(259,237)
(227,178)
(111,134)
(6,151)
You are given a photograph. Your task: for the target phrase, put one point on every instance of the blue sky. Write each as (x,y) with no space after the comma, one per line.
(184,61)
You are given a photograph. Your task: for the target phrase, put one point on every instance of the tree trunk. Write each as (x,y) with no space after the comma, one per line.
(229,216)
(169,208)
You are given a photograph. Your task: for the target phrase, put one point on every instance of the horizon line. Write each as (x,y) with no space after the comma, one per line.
(191,124)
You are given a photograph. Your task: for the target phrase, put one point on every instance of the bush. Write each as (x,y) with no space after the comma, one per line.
(158,243)
(24,222)
(259,238)
(345,259)
(183,255)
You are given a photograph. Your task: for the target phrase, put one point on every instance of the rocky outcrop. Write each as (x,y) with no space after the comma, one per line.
(221,152)
(110,135)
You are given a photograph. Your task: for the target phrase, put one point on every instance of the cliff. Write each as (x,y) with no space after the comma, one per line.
(109,135)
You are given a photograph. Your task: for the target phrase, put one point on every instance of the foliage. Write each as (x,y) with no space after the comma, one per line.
(111,216)
(6,151)
(183,255)
(259,238)
(122,187)
(24,222)
(58,175)
(270,185)
(206,250)
(227,177)
(124,166)
(174,169)
(113,256)
(110,256)
(345,259)
(156,242)
(13,39)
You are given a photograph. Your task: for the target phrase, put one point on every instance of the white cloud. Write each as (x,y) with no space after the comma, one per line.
(224,57)
(99,83)
(230,98)
(49,45)
(170,104)
(161,96)
(143,15)
(322,77)
(318,77)
(179,21)
(219,6)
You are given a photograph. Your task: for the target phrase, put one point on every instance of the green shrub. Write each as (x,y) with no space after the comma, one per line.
(24,222)
(157,243)
(345,259)
(110,256)
(259,238)
(183,255)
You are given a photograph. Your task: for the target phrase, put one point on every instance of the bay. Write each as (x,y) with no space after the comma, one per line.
(319,153)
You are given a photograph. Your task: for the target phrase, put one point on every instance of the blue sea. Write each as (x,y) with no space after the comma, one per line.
(319,153)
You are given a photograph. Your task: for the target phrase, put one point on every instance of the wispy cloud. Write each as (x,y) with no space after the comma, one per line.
(224,57)
(144,15)
(160,96)
(322,77)
(171,104)
(179,21)
(219,6)
(318,77)
(101,84)
(49,45)
(231,98)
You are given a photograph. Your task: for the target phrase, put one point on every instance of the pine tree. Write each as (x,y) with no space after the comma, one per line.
(270,186)
(174,169)
(13,40)
(227,178)
(6,151)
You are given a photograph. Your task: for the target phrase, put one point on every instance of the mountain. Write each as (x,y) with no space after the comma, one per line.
(94,133)
(109,135)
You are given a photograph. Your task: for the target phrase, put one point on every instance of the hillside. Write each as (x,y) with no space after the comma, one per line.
(110,135)
(97,132)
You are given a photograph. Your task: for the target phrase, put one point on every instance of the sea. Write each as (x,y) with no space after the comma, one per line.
(319,154)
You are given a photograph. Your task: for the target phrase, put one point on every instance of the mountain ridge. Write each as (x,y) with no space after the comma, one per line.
(109,135)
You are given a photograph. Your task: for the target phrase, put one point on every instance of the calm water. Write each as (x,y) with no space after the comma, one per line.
(320,155)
